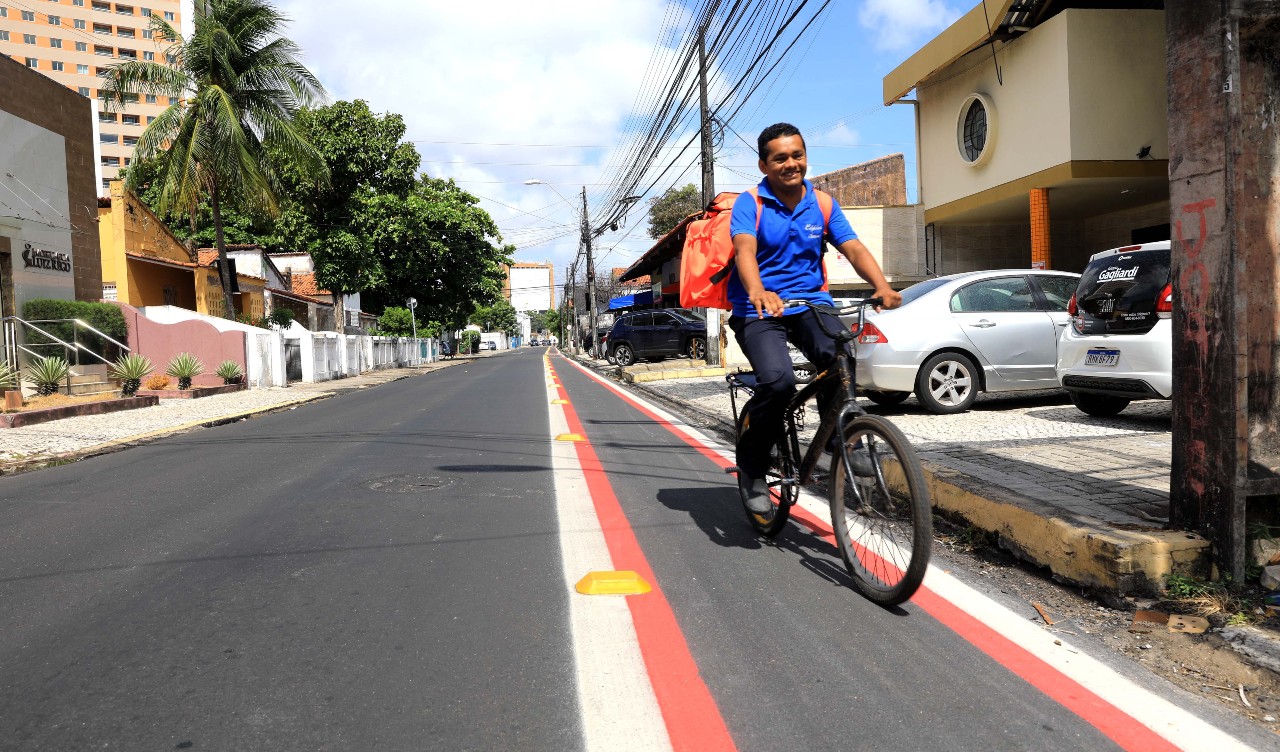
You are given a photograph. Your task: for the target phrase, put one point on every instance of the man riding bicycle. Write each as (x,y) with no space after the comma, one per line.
(778,256)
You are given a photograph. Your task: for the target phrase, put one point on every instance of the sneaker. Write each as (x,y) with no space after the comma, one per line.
(755,494)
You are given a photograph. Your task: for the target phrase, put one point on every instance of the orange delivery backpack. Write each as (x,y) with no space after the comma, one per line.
(708,257)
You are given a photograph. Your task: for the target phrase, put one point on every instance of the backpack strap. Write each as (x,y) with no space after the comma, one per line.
(824,204)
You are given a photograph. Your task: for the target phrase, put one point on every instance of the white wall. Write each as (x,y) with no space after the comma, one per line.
(34,207)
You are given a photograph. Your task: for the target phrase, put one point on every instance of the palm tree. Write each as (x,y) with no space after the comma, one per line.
(238,84)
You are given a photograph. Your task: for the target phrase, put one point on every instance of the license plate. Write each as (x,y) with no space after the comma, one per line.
(1102,357)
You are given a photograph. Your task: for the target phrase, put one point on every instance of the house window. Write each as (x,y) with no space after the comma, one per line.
(84,91)
(111,161)
(54,20)
(29,38)
(78,3)
(170,295)
(102,7)
(146,34)
(55,43)
(106,185)
(57,65)
(173,100)
(4,12)
(33,63)
(82,46)
(151,119)
(146,12)
(124,33)
(124,10)
(4,35)
(82,69)
(169,15)
(130,141)
(28,15)
(128,54)
(151,99)
(79,23)
(108,138)
(100,50)
(129,119)
(106,117)
(148,56)
(104,29)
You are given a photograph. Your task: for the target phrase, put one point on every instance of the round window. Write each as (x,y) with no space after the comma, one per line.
(975,130)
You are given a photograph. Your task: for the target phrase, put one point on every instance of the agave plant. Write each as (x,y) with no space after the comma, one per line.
(230,372)
(184,367)
(8,376)
(131,370)
(48,373)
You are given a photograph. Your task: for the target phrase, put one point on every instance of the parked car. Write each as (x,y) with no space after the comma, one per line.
(488,345)
(1119,346)
(956,336)
(656,334)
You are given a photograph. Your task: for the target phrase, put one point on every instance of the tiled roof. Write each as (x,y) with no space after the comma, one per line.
(304,283)
(207,256)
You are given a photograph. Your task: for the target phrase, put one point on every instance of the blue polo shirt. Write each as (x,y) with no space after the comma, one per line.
(789,246)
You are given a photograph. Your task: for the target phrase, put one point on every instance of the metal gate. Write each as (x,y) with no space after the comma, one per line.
(292,360)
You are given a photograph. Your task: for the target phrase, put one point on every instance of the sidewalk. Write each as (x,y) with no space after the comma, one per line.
(1088,498)
(71,439)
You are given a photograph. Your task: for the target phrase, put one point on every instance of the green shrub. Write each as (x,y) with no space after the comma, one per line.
(230,372)
(184,367)
(104,317)
(131,370)
(280,317)
(48,374)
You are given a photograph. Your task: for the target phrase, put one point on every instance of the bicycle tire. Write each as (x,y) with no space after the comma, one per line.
(883,522)
(772,523)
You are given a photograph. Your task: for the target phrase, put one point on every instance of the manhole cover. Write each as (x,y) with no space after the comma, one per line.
(409,483)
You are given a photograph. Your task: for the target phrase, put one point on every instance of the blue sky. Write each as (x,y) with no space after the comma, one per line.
(505,91)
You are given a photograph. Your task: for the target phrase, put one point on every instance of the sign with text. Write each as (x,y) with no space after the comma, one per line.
(39,258)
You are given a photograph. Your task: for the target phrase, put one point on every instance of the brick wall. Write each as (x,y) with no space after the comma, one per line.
(880,182)
(41,101)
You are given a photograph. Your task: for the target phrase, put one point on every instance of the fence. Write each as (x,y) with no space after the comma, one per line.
(323,356)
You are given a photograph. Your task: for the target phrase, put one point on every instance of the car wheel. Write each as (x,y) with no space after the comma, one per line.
(947,383)
(1098,405)
(697,348)
(888,399)
(609,357)
(804,372)
(624,354)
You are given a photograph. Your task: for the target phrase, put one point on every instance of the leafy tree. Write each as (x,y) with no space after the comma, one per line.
(144,177)
(551,321)
(238,85)
(666,211)
(396,321)
(369,166)
(499,317)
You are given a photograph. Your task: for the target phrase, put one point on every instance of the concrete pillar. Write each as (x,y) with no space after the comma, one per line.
(1041,253)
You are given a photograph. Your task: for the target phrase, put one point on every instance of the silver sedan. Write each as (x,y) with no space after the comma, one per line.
(955,336)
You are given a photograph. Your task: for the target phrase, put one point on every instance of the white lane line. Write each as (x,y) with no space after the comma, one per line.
(1165,718)
(619,709)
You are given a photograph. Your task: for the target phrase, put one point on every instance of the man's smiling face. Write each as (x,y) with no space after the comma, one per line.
(786,164)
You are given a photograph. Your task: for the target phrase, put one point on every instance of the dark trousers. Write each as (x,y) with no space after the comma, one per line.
(764,342)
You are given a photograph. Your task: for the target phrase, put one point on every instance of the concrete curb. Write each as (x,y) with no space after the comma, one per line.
(1077,549)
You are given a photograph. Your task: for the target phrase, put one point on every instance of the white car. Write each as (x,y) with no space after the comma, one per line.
(1119,346)
(955,336)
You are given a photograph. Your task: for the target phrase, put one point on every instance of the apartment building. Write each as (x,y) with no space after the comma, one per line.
(74,41)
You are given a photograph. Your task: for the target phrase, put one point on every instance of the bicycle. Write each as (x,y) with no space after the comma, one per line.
(880,506)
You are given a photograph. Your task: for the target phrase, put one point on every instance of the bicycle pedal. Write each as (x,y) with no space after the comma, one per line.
(731,470)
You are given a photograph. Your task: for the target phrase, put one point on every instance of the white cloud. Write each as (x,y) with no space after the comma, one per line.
(903,25)
(496,72)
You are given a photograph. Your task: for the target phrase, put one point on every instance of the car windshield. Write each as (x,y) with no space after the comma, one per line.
(685,314)
(919,289)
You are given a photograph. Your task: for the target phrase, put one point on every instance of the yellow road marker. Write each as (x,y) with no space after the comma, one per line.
(559,402)
(623,582)
(570,437)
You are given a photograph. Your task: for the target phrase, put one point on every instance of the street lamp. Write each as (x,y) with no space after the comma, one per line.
(413,322)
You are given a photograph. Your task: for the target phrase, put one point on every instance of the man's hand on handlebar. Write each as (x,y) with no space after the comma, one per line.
(892,298)
(765,301)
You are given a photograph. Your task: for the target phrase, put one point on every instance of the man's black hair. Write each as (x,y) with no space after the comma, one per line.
(777,130)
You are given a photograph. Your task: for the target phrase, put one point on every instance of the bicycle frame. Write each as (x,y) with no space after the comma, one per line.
(841,378)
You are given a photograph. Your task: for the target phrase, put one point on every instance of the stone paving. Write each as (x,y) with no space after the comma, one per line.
(1034,443)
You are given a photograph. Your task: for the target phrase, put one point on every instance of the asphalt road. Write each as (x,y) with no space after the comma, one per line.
(383,571)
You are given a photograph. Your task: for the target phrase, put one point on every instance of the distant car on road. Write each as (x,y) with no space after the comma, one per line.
(955,336)
(488,345)
(655,335)
(1119,346)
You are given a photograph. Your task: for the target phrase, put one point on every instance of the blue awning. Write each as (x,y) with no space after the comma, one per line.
(630,301)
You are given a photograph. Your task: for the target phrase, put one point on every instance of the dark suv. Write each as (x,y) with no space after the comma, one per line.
(656,334)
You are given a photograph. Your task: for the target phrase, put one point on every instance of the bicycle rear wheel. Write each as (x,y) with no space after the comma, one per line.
(881,513)
(780,477)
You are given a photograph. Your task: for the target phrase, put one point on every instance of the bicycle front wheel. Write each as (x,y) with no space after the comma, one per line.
(880,510)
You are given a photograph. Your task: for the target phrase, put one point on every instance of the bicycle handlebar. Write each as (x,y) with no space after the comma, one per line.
(860,307)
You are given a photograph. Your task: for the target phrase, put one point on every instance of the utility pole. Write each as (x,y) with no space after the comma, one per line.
(591,276)
(708,159)
(574,334)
